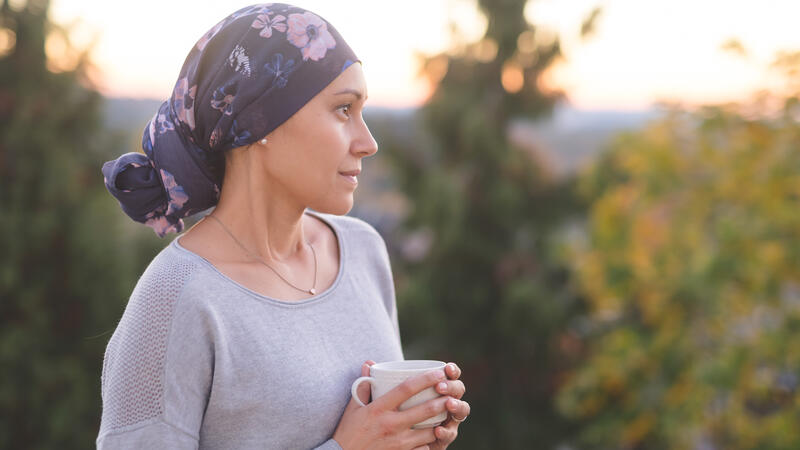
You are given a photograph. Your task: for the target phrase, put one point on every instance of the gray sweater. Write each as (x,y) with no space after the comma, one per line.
(200,361)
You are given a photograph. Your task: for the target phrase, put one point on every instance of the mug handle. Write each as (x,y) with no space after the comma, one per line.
(355,386)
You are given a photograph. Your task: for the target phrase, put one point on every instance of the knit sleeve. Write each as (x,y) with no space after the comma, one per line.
(158,364)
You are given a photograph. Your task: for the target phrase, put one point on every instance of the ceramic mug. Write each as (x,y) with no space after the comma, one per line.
(386,376)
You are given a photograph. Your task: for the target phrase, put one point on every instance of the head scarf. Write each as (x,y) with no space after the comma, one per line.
(247,75)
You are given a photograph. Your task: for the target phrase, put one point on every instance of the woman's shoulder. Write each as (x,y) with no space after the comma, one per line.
(167,274)
(363,243)
(172,260)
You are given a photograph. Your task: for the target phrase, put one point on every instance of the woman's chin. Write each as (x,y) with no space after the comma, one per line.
(338,208)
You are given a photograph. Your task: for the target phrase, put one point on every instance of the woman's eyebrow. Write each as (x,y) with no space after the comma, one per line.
(351,91)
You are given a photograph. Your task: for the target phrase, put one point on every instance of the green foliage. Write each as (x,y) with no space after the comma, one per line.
(691,269)
(64,272)
(489,294)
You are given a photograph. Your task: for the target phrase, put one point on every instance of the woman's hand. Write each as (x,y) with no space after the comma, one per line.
(458,409)
(380,425)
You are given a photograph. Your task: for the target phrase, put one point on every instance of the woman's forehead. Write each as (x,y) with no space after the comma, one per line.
(350,81)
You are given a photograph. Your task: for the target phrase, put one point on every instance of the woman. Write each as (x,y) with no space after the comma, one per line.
(247,330)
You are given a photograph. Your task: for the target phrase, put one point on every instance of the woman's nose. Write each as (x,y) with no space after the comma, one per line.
(365,144)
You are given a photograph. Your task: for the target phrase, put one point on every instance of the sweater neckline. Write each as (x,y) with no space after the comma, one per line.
(314,299)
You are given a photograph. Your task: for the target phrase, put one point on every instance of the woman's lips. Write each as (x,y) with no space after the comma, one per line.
(351,176)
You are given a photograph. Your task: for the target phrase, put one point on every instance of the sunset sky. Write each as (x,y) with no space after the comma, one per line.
(643,50)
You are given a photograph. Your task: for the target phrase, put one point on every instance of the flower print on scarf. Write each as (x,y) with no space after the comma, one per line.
(310,33)
(161,225)
(175,192)
(164,124)
(150,137)
(239,61)
(240,138)
(159,219)
(216,135)
(183,101)
(266,24)
(201,44)
(279,70)
(223,98)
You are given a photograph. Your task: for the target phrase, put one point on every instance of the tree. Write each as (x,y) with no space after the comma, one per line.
(489,293)
(64,273)
(691,269)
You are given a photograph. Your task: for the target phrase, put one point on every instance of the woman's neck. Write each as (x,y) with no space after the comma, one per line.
(262,217)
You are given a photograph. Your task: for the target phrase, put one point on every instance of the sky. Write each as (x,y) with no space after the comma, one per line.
(642,51)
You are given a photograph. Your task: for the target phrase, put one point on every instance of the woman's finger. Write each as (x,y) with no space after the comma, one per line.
(453,388)
(363,390)
(365,367)
(408,388)
(446,435)
(423,411)
(458,409)
(452,371)
(418,438)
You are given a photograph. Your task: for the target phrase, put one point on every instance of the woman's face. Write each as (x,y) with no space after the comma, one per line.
(314,155)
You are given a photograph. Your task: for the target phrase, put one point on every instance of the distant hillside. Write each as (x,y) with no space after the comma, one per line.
(571,138)
(129,114)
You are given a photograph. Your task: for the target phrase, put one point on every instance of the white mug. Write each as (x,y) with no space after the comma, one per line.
(386,375)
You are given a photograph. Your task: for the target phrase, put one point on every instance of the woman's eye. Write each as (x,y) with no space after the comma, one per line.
(346,109)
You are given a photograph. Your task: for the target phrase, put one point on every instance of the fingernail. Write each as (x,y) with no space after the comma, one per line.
(442,386)
(452,403)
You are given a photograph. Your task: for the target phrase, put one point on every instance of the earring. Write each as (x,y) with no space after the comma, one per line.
(264,141)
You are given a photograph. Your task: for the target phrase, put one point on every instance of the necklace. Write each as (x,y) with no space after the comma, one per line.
(312,291)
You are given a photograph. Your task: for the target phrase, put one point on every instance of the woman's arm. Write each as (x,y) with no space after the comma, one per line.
(158,366)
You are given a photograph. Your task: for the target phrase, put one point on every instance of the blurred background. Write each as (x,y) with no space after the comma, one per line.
(591,206)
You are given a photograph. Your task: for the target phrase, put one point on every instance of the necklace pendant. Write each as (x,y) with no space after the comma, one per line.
(312,291)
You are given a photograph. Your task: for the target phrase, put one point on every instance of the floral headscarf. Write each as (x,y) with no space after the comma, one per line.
(247,75)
